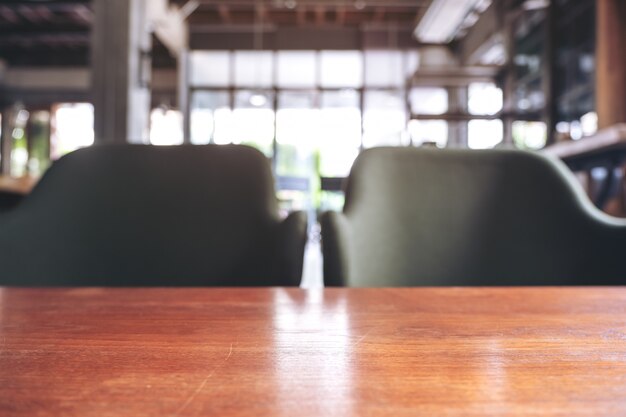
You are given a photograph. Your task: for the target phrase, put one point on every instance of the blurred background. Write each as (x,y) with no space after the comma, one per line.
(312,83)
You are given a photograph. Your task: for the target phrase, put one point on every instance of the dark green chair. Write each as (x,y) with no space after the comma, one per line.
(138,215)
(416,217)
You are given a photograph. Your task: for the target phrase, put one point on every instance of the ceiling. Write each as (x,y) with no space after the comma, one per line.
(299,13)
(45,32)
(57,32)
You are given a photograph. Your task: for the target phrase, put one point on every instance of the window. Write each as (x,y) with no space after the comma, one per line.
(210,68)
(428,100)
(297,132)
(72,128)
(340,132)
(19,151)
(341,69)
(484,99)
(253,68)
(428,132)
(205,106)
(529,135)
(166,127)
(253,120)
(384,69)
(484,134)
(296,68)
(384,119)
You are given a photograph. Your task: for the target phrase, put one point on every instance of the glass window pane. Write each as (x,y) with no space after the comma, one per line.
(39,156)
(429,132)
(296,68)
(428,100)
(223,130)
(340,132)
(253,68)
(210,68)
(484,99)
(297,130)
(529,135)
(166,127)
(341,68)
(297,127)
(253,120)
(19,145)
(204,105)
(72,128)
(384,119)
(384,69)
(484,134)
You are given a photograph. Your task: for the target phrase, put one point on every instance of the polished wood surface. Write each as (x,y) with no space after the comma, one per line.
(290,352)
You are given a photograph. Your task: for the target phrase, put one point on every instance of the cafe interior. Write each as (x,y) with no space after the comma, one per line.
(313,86)
(287,152)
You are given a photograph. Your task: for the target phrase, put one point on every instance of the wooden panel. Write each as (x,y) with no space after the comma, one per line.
(273,352)
(611,62)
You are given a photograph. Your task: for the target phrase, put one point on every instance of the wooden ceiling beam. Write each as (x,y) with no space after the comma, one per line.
(379,14)
(340,15)
(224,12)
(9,15)
(320,15)
(301,15)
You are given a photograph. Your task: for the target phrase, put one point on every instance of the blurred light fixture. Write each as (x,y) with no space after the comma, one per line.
(290,4)
(442,19)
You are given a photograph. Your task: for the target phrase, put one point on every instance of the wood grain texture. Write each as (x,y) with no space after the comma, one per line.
(290,352)
(610,62)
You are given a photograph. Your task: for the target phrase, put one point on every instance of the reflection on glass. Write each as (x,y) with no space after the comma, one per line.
(429,132)
(384,119)
(312,338)
(428,100)
(484,134)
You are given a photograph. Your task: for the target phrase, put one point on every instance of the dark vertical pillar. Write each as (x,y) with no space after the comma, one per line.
(121,45)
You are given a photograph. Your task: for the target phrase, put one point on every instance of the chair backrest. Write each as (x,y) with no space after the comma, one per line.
(145,215)
(9,200)
(462,217)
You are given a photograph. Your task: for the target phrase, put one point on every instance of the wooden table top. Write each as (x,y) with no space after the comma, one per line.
(606,140)
(291,352)
(21,185)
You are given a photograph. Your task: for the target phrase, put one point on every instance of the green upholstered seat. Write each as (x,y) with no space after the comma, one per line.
(460,217)
(138,215)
